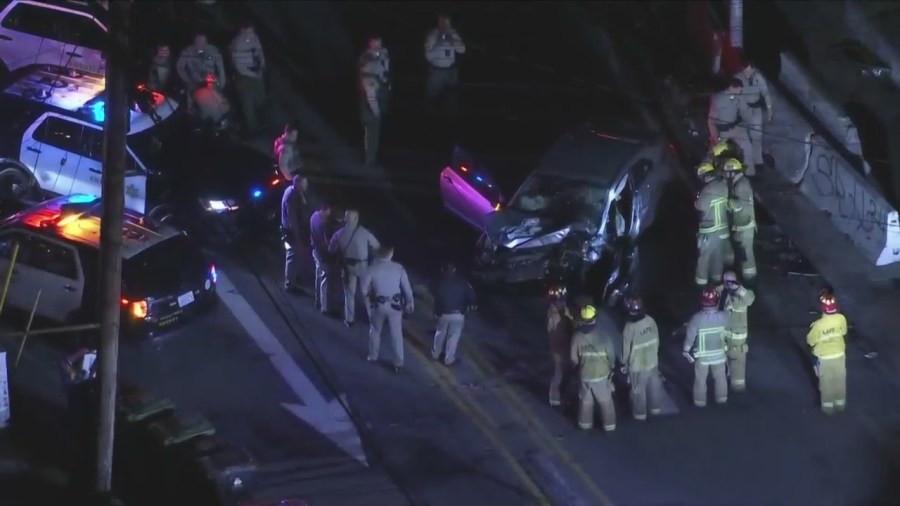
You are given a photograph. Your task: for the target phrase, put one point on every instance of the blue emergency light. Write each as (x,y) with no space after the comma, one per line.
(257,193)
(98,109)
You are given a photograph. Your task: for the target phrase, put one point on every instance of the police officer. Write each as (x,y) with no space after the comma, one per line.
(249,63)
(560,325)
(198,64)
(742,213)
(386,286)
(453,297)
(826,337)
(287,152)
(759,101)
(160,69)
(704,346)
(728,113)
(350,247)
(713,228)
(442,45)
(295,215)
(374,82)
(594,357)
(319,238)
(640,356)
(736,300)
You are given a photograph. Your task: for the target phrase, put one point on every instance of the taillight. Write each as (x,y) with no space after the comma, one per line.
(139,309)
(212,273)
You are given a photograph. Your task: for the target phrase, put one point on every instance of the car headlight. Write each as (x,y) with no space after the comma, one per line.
(219,206)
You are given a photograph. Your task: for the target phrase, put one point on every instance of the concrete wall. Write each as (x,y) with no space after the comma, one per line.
(854,205)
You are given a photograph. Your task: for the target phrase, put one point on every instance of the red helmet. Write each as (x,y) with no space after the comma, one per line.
(828,302)
(634,304)
(709,297)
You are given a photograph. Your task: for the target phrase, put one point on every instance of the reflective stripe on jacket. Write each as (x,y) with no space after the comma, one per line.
(711,203)
(593,354)
(826,336)
(640,348)
(706,336)
(744,216)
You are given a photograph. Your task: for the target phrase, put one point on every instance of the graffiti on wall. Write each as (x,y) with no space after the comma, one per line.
(853,200)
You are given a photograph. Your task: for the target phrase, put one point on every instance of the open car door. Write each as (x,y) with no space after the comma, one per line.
(468,191)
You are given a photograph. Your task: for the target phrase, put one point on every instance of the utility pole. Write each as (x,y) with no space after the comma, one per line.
(736,23)
(115,134)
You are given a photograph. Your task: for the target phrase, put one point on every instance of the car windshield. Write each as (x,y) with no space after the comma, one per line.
(561,198)
(164,268)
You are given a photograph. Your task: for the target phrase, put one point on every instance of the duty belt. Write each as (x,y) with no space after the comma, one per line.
(724,127)
(382,299)
(759,104)
(354,261)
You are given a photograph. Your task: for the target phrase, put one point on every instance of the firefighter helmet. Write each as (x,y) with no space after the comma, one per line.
(732,165)
(705,168)
(709,297)
(720,147)
(634,305)
(556,292)
(588,313)
(828,302)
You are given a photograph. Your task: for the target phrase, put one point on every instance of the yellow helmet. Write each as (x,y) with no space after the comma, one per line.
(732,165)
(719,148)
(705,168)
(588,313)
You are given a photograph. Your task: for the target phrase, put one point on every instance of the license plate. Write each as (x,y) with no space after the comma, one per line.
(185,299)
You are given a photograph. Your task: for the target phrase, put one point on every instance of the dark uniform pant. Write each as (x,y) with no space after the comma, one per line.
(443,82)
(252,94)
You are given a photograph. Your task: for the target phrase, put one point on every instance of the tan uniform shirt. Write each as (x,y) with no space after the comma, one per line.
(195,64)
(353,243)
(385,278)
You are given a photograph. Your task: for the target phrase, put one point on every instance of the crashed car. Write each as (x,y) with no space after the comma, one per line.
(588,200)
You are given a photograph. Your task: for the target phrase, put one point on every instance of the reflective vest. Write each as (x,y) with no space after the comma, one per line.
(826,336)
(706,337)
(640,347)
(712,202)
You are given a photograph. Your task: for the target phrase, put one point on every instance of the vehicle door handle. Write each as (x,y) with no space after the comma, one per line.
(73,54)
(69,288)
(5,37)
(33,149)
(95,171)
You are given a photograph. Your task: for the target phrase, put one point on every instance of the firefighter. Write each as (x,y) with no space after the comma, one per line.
(759,102)
(713,228)
(594,357)
(640,356)
(559,330)
(728,114)
(736,300)
(704,346)
(742,219)
(826,337)
(386,286)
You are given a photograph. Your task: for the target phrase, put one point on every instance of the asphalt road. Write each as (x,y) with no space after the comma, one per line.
(482,433)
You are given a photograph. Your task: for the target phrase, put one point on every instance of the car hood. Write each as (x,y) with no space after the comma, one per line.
(514,229)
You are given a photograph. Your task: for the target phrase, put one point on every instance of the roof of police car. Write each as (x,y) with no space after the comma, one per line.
(590,154)
(55,86)
(83,227)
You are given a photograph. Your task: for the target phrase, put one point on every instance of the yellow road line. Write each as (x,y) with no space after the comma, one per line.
(533,424)
(470,407)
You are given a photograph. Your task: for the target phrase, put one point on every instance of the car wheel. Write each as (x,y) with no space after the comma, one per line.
(15,185)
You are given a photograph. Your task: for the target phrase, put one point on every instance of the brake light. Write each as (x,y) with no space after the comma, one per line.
(212,273)
(463,168)
(125,302)
(139,309)
(275,181)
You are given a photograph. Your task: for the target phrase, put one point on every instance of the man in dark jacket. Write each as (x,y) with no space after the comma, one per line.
(296,210)
(453,297)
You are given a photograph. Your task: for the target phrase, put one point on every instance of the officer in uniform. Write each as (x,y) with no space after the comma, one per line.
(295,215)
(826,338)
(713,228)
(640,356)
(287,153)
(742,213)
(594,358)
(560,325)
(374,82)
(350,247)
(320,238)
(199,64)
(453,297)
(704,346)
(728,113)
(736,300)
(160,69)
(386,286)
(249,63)
(442,45)
(759,101)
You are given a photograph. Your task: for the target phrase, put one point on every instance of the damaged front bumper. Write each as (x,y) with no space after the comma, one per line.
(532,264)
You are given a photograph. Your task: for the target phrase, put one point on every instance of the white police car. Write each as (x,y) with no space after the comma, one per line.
(69,34)
(52,136)
(58,256)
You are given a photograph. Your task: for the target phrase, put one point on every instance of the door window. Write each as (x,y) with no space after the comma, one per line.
(91,143)
(34,20)
(83,31)
(60,133)
(47,256)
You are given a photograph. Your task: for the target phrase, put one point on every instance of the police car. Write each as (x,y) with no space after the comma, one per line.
(58,257)
(51,143)
(69,34)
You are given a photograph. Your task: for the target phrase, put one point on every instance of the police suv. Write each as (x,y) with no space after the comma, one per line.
(51,143)
(54,251)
